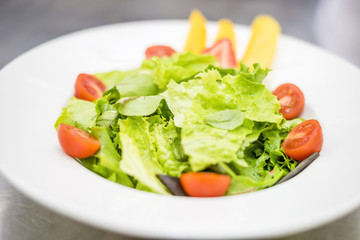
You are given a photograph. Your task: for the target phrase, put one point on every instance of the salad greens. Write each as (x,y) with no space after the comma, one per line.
(182,114)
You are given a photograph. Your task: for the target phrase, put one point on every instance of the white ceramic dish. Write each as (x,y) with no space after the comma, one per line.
(36,85)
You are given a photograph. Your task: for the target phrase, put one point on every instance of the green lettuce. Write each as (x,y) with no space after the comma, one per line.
(139,84)
(151,146)
(139,106)
(106,160)
(181,114)
(167,142)
(106,112)
(258,103)
(179,98)
(139,157)
(180,67)
(225,119)
(130,83)
(265,158)
(217,113)
(78,113)
(114,77)
(257,75)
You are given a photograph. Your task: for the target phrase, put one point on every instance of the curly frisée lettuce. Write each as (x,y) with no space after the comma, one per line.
(184,114)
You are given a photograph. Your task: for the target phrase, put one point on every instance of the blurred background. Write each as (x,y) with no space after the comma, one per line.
(330,24)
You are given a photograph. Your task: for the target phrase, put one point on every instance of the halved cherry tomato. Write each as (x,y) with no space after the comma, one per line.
(76,142)
(204,184)
(88,87)
(224,53)
(303,140)
(159,51)
(291,100)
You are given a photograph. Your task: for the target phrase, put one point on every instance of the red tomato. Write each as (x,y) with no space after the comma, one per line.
(88,87)
(291,100)
(159,51)
(76,142)
(204,184)
(224,53)
(303,140)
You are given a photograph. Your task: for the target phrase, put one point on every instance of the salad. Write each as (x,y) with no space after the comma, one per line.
(197,117)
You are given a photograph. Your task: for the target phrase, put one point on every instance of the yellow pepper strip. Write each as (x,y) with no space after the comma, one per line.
(196,39)
(226,30)
(262,45)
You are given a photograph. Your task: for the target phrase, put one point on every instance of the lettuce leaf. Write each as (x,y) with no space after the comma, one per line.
(180,67)
(228,92)
(199,106)
(139,106)
(106,112)
(244,183)
(114,77)
(206,145)
(225,119)
(179,98)
(105,162)
(258,103)
(151,146)
(266,160)
(138,84)
(78,113)
(139,157)
(257,75)
(170,154)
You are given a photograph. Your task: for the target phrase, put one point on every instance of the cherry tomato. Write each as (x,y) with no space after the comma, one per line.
(76,142)
(88,87)
(204,184)
(159,51)
(224,53)
(303,140)
(291,100)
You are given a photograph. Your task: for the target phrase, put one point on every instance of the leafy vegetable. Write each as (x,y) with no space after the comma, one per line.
(106,161)
(139,157)
(257,75)
(78,113)
(182,114)
(225,119)
(169,150)
(179,98)
(115,77)
(180,67)
(106,111)
(139,106)
(139,84)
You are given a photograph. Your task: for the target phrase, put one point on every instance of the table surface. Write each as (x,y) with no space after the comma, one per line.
(27,23)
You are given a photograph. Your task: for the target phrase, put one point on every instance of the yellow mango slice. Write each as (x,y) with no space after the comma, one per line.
(226,30)
(262,45)
(196,39)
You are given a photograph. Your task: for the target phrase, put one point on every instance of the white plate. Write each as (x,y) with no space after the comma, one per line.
(36,85)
